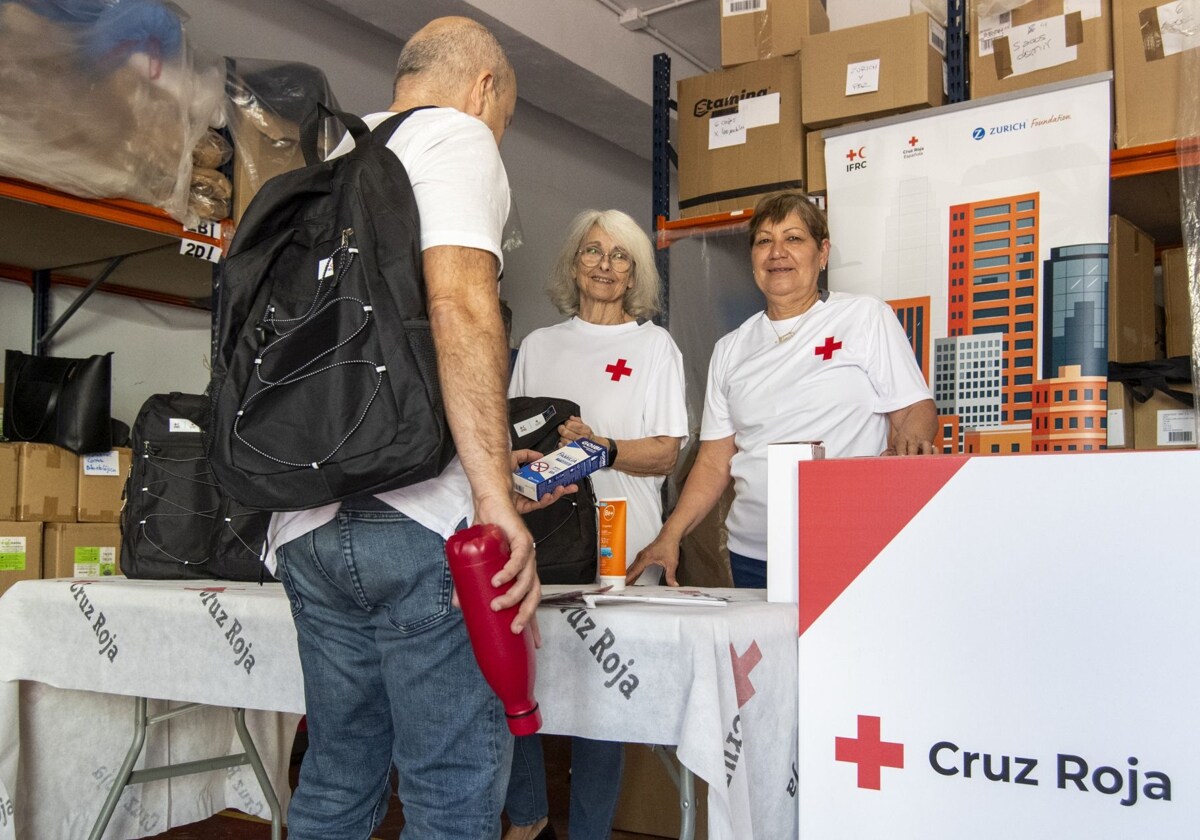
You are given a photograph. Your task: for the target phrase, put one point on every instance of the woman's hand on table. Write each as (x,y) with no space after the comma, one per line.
(664,552)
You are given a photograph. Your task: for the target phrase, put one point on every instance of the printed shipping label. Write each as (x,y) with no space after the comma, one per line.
(102,463)
(12,554)
(990,29)
(532,424)
(95,561)
(1116,427)
(1177,427)
(729,8)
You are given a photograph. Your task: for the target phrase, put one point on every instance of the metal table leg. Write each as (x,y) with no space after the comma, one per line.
(128,776)
(685,783)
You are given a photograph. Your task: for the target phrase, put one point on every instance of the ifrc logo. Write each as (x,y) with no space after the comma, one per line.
(869,751)
(857,158)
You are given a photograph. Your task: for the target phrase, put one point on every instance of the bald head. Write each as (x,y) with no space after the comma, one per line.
(446,56)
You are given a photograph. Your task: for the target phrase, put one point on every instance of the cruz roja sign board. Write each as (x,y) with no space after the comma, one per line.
(998,647)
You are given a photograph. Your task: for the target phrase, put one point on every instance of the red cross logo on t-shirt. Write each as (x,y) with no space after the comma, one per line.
(618,370)
(825,351)
(869,752)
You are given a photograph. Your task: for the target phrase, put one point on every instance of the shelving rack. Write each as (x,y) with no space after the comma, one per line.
(54,238)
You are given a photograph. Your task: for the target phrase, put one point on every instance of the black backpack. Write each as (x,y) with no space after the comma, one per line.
(564,533)
(176,522)
(324,379)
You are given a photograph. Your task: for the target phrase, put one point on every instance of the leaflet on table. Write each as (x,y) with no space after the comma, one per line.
(603,595)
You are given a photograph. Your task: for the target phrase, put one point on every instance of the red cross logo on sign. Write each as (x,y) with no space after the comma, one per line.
(618,370)
(869,752)
(825,351)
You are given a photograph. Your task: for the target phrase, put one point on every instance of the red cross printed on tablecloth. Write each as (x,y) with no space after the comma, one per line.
(826,350)
(618,370)
(851,155)
(912,141)
(869,752)
(742,666)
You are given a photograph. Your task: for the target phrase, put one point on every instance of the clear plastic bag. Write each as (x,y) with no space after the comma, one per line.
(105,99)
(269,101)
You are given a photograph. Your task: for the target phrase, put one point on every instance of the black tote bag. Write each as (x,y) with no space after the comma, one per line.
(67,402)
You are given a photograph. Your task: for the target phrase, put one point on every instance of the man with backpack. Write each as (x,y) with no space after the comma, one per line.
(389,675)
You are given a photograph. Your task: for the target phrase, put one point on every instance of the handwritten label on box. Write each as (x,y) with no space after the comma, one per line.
(862,77)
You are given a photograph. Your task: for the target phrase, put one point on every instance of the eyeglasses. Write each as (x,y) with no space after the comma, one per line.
(591,256)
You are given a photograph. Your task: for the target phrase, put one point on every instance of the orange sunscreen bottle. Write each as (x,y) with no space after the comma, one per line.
(612,542)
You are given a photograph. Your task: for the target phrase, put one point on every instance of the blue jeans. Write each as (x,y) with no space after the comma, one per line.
(389,679)
(595,785)
(748,573)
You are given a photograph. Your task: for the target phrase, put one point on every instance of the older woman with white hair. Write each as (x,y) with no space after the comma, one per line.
(626,374)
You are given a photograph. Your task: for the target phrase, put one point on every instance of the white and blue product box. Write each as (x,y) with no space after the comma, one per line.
(561,467)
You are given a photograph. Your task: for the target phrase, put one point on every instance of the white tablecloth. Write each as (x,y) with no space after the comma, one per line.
(719,682)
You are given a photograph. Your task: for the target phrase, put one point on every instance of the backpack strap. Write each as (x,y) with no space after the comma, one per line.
(383,132)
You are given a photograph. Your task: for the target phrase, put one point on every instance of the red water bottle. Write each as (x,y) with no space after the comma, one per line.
(506,659)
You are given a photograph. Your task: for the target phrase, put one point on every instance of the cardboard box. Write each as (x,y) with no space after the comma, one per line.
(561,467)
(740,136)
(81,549)
(649,802)
(1120,416)
(47,483)
(1177,301)
(101,484)
(846,13)
(20,552)
(8,481)
(1163,422)
(1148,57)
(752,30)
(1037,43)
(1130,292)
(814,160)
(874,70)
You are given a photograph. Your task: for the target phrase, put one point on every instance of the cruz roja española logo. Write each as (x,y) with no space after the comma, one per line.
(949,760)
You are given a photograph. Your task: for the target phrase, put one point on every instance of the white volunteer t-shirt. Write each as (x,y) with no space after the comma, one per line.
(628,382)
(834,381)
(463,198)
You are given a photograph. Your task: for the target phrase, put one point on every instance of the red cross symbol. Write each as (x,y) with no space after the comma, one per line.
(851,155)
(618,370)
(825,351)
(912,141)
(869,752)
(742,666)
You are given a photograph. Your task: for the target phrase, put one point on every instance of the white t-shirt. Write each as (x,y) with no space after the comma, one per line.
(463,199)
(848,365)
(628,382)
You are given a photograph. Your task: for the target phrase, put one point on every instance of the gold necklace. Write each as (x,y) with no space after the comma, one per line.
(780,339)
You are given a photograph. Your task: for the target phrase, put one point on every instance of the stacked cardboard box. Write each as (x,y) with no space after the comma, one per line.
(752,30)
(1036,43)
(59,512)
(874,70)
(740,136)
(1150,44)
(1177,302)
(1130,292)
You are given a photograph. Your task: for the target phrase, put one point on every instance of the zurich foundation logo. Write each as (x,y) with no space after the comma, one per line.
(978,133)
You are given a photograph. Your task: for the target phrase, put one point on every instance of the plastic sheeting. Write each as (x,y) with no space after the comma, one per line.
(269,101)
(105,99)
(1189,177)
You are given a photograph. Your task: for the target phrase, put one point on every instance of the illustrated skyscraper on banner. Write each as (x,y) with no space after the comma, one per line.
(986,228)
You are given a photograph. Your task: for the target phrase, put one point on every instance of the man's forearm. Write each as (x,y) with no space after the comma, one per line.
(472,365)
